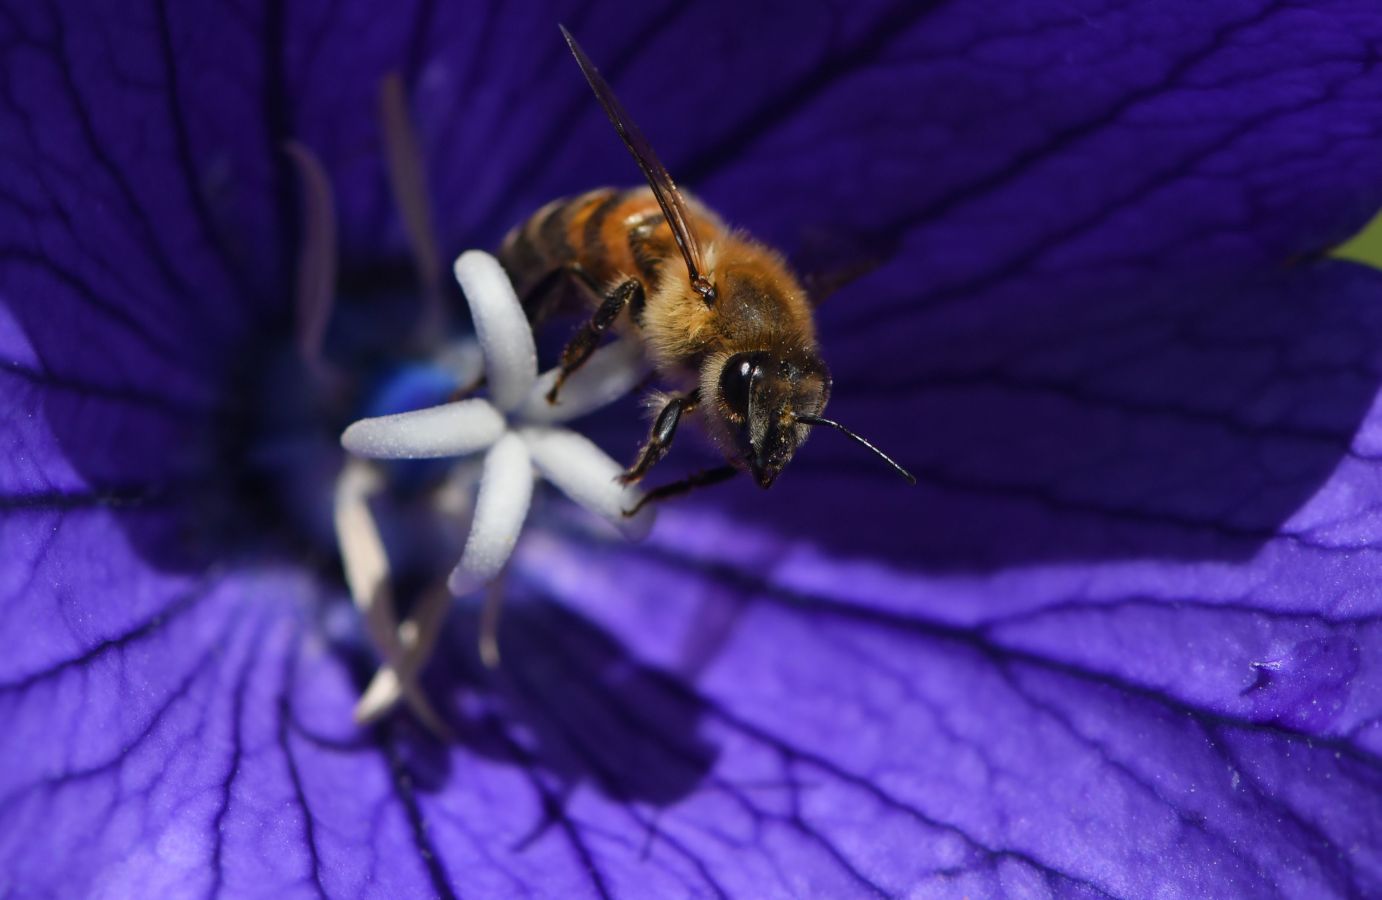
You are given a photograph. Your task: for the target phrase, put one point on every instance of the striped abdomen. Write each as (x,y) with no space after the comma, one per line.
(612,234)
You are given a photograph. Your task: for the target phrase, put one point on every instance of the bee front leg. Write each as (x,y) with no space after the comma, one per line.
(685,486)
(660,437)
(585,340)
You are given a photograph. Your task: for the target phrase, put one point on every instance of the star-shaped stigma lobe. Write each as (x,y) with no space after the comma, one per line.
(503,443)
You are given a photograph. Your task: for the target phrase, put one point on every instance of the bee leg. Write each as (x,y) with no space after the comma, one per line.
(583,343)
(685,486)
(660,437)
(539,301)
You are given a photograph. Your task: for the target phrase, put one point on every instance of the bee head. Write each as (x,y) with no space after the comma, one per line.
(761,394)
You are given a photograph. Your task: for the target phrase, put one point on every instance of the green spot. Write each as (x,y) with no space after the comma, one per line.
(1365,246)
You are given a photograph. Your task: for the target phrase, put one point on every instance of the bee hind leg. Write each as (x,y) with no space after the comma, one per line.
(587,337)
(660,437)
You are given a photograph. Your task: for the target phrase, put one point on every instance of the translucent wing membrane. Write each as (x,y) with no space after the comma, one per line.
(668,196)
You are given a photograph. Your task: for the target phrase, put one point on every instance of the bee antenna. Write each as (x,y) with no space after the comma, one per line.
(819,420)
(674,206)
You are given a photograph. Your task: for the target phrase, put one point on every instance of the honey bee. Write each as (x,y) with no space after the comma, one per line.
(721,317)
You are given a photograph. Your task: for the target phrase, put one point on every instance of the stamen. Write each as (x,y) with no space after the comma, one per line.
(367,575)
(501,327)
(408,179)
(489,622)
(316,282)
(398,679)
(362,552)
(452,429)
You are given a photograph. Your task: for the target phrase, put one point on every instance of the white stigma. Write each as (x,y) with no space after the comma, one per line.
(452,429)
(522,440)
(501,327)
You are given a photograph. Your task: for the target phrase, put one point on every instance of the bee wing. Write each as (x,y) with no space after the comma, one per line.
(664,188)
(821,285)
(829,259)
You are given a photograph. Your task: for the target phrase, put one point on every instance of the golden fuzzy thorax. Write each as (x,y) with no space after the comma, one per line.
(616,235)
(759,306)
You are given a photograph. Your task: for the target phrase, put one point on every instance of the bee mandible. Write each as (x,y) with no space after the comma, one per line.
(721,317)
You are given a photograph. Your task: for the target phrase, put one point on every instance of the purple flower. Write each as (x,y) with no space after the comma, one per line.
(1125,638)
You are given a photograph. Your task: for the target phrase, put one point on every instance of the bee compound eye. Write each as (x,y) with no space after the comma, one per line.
(735,380)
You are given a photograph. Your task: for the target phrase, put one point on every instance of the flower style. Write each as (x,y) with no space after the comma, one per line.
(1124,639)
(516,430)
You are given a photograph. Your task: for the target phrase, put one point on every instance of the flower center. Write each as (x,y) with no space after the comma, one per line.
(447,441)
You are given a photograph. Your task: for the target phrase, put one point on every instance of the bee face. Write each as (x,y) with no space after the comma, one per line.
(761,394)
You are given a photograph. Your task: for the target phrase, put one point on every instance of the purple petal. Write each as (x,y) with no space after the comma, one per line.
(1123,640)
(1116,727)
